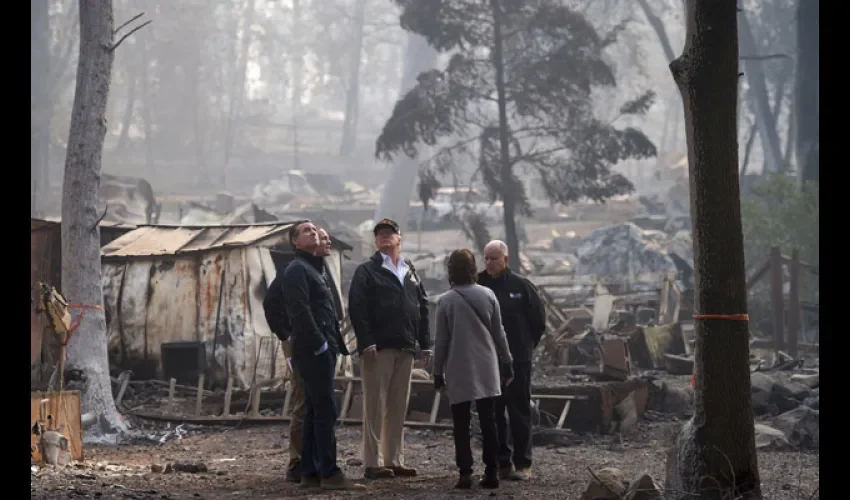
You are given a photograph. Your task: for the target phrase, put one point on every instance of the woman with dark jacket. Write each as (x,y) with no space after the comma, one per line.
(471,362)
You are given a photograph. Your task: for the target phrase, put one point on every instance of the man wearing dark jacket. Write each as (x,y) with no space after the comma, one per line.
(316,343)
(389,313)
(278,321)
(524,320)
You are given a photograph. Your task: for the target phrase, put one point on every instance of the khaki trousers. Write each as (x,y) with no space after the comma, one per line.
(386,391)
(296,413)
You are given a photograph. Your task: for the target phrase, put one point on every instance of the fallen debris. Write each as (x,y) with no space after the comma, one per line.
(607,484)
(801,426)
(768,438)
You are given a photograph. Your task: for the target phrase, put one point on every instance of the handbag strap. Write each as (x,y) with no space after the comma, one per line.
(474,309)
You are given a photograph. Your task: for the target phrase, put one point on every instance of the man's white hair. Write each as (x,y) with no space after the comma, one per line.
(499,244)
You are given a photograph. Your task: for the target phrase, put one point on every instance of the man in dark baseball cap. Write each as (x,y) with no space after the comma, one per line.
(388,223)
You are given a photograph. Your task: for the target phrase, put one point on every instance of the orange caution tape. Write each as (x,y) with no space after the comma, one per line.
(77,321)
(728,317)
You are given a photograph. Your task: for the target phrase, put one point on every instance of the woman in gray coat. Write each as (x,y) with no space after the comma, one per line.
(471,362)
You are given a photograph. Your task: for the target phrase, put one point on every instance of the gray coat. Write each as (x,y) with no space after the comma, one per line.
(466,351)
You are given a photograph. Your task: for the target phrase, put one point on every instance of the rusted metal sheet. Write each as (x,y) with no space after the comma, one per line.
(172,303)
(250,234)
(151,242)
(212,296)
(148,241)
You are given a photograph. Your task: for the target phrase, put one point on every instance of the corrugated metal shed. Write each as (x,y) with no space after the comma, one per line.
(151,241)
(199,284)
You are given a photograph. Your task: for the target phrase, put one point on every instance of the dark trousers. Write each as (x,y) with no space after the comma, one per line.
(461,417)
(318,449)
(515,429)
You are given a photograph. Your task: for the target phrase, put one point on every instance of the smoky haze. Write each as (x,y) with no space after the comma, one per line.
(229,96)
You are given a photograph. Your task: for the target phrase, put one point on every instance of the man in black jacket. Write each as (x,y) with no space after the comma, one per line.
(389,313)
(278,321)
(316,342)
(524,320)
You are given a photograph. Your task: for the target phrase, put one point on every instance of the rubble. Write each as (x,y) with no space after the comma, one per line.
(801,426)
(607,484)
(768,438)
(622,250)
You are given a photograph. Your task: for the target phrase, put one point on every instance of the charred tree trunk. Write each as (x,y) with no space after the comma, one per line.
(297,63)
(506,172)
(807,124)
(352,93)
(398,189)
(765,118)
(147,106)
(81,272)
(237,90)
(195,100)
(40,108)
(129,108)
(715,453)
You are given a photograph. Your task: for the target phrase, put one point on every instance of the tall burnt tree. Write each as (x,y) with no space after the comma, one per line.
(516,94)
(40,99)
(715,454)
(81,272)
(807,112)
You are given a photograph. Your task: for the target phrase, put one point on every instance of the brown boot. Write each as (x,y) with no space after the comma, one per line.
(378,473)
(339,482)
(402,471)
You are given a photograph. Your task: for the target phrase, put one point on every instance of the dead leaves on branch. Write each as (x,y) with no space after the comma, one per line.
(553,60)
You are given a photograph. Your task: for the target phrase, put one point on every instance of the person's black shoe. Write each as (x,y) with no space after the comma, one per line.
(293,475)
(489,481)
(464,482)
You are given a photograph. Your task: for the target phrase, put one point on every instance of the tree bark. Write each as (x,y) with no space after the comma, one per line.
(129,108)
(398,188)
(508,186)
(715,454)
(237,90)
(807,123)
(40,96)
(81,271)
(765,118)
(147,107)
(352,93)
(297,65)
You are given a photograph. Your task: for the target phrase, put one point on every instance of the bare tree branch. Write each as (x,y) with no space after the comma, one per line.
(116,30)
(137,28)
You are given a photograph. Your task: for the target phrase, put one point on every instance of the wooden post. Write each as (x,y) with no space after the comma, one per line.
(199,398)
(171,384)
(777,299)
(228,393)
(123,380)
(794,303)
(255,400)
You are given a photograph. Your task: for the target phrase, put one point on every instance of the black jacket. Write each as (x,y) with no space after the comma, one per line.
(383,312)
(310,306)
(275,310)
(523,314)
